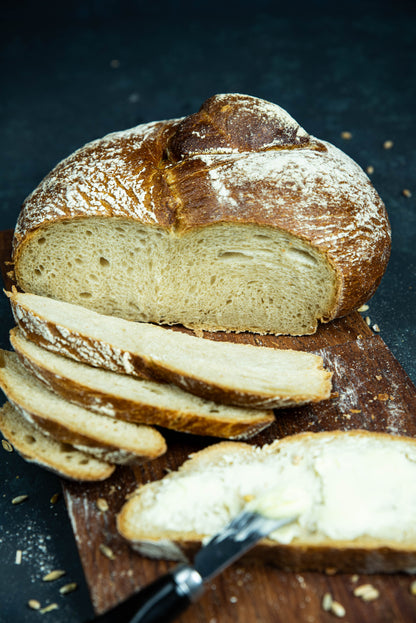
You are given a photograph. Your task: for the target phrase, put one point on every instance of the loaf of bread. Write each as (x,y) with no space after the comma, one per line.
(106,438)
(233,218)
(354,494)
(223,372)
(137,400)
(60,458)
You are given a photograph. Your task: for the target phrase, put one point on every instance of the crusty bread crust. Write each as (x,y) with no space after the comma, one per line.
(361,555)
(239,161)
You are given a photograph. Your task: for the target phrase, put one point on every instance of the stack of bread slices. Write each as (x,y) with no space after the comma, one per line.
(87,391)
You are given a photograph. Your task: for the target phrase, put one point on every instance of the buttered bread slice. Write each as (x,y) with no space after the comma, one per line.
(224,372)
(354,494)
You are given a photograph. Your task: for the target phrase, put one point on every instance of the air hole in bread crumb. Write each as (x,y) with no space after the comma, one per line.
(78,260)
(29,439)
(104,262)
(303,257)
(213,279)
(85,295)
(234,255)
(84,461)
(88,232)
(41,240)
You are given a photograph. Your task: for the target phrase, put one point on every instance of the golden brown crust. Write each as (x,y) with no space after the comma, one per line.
(239,160)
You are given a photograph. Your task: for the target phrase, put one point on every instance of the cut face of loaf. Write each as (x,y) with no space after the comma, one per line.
(137,400)
(233,219)
(107,438)
(232,278)
(57,457)
(224,372)
(353,516)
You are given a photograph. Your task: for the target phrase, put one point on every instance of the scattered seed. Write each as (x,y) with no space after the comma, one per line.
(388,144)
(376,328)
(49,608)
(383,397)
(347,136)
(327,602)
(19,499)
(363,308)
(53,575)
(368,320)
(68,588)
(6,445)
(367,592)
(355,578)
(102,505)
(378,377)
(370,169)
(412,587)
(55,498)
(233,600)
(355,410)
(337,609)
(18,558)
(34,604)
(107,551)
(406,192)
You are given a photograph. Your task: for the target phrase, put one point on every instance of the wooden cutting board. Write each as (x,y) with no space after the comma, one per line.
(370,391)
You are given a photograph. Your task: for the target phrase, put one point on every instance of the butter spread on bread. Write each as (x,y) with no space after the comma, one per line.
(356,493)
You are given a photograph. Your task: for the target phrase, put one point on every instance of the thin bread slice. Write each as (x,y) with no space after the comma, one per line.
(137,400)
(109,439)
(224,372)
(59,458)
(352,516)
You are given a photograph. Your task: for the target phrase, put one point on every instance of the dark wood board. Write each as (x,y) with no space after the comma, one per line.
(370,391)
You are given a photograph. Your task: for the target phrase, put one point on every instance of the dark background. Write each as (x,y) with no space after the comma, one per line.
(74,71)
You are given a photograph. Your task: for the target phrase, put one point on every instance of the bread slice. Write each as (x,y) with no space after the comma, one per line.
(59,458)
(134,399)
(355,493)
(109,439)
(224,372)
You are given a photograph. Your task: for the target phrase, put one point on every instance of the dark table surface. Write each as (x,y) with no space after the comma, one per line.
(73,74)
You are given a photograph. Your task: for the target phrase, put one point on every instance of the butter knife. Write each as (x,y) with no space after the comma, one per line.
(168,596)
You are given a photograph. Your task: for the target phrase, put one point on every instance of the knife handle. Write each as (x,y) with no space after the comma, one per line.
(162,600)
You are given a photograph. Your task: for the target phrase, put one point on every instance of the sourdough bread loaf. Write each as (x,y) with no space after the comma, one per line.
(134,399)
(108,439)
(224,372)
(233,218)
(355,493)
(60,458)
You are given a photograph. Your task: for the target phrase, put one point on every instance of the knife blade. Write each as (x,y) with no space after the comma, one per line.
(168,596)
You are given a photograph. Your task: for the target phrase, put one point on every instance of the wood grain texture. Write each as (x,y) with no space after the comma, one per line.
(370,391)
